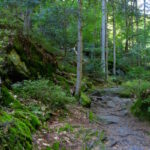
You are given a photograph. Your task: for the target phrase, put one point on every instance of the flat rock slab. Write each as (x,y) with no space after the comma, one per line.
(111,104)
(110,119)
(122,113)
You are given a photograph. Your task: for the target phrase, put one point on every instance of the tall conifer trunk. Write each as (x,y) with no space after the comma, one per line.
(114,40)
(80,49)
(103,39)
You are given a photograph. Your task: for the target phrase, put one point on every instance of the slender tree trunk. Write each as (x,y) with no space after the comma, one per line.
(132,24)
(27,21)
(103,35)
(106,53)
(137,31)
(0,87)
(80,49)
(114,40)
(127,28)
(144,23)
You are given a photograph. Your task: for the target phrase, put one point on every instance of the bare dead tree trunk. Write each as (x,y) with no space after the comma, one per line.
(80,49)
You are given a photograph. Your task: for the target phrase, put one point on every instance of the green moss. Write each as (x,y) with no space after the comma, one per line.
(14,133)
(85,100)
(5,117)
(17,125)
(28,118)
(16,129)
(7,98)
(34,121)
(17,105)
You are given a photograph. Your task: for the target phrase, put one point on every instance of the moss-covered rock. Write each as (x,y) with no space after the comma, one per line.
(85,100)
(24,59)
(14,133)
(20,66)
(16,123)
(39,61)
(28,118)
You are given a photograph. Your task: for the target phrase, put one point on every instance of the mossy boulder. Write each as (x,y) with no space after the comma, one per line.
(17,123)
(28,118)
(39,61)
(25,59)
(85,100)
(19,65)
(14,133)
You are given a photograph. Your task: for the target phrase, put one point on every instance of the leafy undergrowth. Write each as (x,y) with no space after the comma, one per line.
(37,107)
(134,88)
(140,90)
(44,91)
(37,101)
(72,131)
(32,105)
(139,73)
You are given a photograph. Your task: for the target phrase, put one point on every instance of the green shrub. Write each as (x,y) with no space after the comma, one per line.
(92,116)
(141,108)
(44,91)
(85,100)
(8,100)
(139,73)
(135,88)
(65,83)
(141,90)
(93,67)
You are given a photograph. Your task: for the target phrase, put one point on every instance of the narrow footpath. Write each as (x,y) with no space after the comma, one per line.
(123,130)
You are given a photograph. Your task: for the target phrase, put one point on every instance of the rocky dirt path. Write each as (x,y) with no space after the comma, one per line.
(123,131)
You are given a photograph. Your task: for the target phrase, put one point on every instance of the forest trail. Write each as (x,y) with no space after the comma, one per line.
(123,131)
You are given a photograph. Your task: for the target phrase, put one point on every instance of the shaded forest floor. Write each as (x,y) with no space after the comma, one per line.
(107,125)
(73,131)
